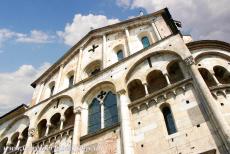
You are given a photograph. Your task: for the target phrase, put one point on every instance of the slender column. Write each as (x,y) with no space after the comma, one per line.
(8,145)
(146,88)
(48,125)
(77,130)
(126,132)
(104,52)
(102,115)
(40,92)
(57,86)
(167,78)
(210,102)
(62,119)
(214,77)
(128,41)
(20,137)
(78,72)
(156,30)
(28,146)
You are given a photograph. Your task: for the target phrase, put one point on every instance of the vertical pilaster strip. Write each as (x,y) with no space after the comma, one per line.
(57,86)
(78,71)
(104,52)
(40,92)
(156,30)
(126,132)
(128,41)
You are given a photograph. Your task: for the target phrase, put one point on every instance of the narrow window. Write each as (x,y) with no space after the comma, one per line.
(169,121)
(52,90)
(110,110)
(71,81)
(120,55)
(145,41)
(94,121)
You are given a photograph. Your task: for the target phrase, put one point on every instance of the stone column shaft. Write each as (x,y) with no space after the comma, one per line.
(167,79)
(125,123)
(28,146)
(146,88)
(77,130)
(62,122)
(209,100)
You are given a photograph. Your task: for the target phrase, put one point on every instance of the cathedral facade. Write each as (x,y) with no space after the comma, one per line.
(138,86)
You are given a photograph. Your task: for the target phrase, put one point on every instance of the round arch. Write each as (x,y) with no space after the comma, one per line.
(14,122)
(139,61)
(97,87)
(50,103)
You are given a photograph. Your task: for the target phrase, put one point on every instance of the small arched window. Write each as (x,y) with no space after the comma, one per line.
(94,122)
(110,109)
(71,78)
(145,41)
(120,55)
(169,121)
(52,86)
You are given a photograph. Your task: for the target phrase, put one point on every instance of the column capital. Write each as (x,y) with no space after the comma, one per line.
(189,60)
(31,132)
(20,137)
(122,91)
(62,118)
(77,110)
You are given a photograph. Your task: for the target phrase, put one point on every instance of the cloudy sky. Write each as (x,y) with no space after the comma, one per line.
(35,33)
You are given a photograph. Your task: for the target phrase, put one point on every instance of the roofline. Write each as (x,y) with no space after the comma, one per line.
(15,109)
(164,10)
(195,45)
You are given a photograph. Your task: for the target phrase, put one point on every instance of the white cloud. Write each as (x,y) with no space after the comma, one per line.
(81,25)
(15,86)
(124,3)
(203,19)
(35,36)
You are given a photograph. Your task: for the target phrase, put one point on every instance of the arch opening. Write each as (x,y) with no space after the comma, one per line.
(136,90)
(207,76)
(156,81)
(69,117)
(55,123)
(174,72)
(222,74)
(42,128)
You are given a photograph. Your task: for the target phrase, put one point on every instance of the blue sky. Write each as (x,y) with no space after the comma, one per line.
(47,16)
(35,33)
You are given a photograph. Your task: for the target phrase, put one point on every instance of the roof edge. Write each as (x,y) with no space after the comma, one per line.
(164,10)
(208,44)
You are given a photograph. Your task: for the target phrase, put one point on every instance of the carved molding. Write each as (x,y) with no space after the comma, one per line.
(77,110)
(189,60)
